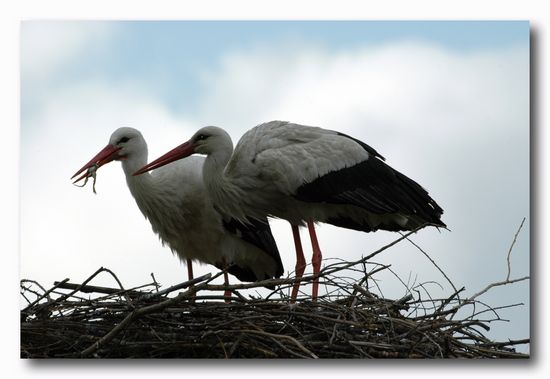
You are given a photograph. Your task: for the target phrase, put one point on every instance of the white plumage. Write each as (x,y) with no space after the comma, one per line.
(306,174)
(173,199)
(272,160)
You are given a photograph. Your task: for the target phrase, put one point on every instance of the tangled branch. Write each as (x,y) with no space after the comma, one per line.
(190,320)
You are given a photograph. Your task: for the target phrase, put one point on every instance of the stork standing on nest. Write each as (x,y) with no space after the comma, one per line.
(306,174)
(174,200)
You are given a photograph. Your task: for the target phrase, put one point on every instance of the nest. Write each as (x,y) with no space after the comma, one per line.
(192,320)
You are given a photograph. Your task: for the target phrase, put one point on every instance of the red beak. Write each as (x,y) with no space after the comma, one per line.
(108,154)
(184,150)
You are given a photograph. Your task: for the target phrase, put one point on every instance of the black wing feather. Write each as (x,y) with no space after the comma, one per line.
(257,233)
(373,186)
(369,149)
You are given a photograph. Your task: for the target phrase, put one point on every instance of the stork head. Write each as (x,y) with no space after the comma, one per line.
(210,139)
(125,143)
(128,143)
(206,141)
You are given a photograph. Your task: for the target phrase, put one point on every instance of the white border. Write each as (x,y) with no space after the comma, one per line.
(10,17)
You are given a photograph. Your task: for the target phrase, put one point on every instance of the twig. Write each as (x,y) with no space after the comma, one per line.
(511,247)
(353,309)
(134,315)
(43,296)
(92,289)
(179,286)
(433,262)
(278,336)
(157,285)
(496,284)
(100,270)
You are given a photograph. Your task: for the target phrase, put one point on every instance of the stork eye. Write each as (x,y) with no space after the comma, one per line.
(202,137)
(123,140)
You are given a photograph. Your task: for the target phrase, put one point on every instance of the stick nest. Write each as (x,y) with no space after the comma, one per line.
(192,320)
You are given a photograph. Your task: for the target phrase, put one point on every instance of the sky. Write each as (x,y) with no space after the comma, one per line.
(446,103)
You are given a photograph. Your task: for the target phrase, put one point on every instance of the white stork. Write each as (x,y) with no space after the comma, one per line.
(306,174)
(173,199)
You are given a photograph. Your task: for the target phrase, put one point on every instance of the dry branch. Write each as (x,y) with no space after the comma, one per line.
(351,320)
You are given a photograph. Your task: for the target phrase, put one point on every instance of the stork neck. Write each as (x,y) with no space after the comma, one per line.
(213,169)
(132,165)
(139,184)
(225,195)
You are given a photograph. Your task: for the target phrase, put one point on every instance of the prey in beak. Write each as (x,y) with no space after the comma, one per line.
(108,154)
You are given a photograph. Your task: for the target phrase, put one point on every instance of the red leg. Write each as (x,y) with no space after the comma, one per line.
(300,262)
(190,275)
(315,259)
(190,269)
(227,293)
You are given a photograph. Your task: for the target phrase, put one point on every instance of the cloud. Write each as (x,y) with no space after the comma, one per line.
(390,86)
(48,47)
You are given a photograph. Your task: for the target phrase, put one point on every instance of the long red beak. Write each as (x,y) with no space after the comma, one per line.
(108,154)
(184,150)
